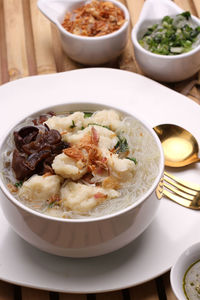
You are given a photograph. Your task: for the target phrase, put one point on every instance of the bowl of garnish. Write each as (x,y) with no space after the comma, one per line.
(166,41)
(80,179)
(185,274)
(92,32)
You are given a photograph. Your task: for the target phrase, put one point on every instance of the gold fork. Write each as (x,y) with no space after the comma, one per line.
(182,192)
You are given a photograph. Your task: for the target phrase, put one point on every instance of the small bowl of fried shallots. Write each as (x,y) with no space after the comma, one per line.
(92,32)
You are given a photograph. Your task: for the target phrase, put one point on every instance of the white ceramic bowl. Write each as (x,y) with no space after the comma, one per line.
(163,67)
(82,237)
(86,50)
(184,261)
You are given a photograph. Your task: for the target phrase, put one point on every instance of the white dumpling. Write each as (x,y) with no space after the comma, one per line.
(67,167)
(106,117)
(75,138)
(82,198)
(107,138)
(40,188)
(122,168)
(71,123)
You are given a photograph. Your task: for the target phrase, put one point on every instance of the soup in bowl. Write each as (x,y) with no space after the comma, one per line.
(80,179)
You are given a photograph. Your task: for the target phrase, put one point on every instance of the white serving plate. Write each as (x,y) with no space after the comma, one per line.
(174,227)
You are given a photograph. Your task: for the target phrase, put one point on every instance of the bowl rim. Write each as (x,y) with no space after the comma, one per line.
(180,261)
(98,106)
(103,37)
(135,42)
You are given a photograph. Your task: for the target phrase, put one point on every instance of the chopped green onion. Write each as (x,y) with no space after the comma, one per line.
(52,204)
(87,114)
(186,14)
(176,49)
(173,36)
(18,184)
(95,124)
(167,19)
(73,124)
(122,145)
(132,159)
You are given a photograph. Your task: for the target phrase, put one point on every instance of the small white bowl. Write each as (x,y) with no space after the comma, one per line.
(163,67)
(84,237)
(86,50)
(178,270)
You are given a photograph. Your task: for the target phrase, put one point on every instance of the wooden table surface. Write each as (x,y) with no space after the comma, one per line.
(30,45)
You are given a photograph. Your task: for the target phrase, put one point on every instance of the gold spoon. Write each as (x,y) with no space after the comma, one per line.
(179,145)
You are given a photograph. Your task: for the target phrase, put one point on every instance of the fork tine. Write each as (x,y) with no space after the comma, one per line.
(180,200)
(178,192)
(180,187)
(187,184)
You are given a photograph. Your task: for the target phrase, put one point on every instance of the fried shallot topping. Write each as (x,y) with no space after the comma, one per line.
(100,195)
(88,152)
(94,136)
(12,188)
(96,18)
(74,152)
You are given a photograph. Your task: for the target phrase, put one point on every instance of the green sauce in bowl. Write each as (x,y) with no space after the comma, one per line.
(173,36)
(191,282)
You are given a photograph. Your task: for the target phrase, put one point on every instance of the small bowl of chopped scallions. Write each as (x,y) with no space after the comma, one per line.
(166,41)
(172,36)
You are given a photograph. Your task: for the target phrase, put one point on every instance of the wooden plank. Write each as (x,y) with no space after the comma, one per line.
(197,6)
(57,49)
(33,294)
(15,39)
(64,296)
(42,41)
(2,39)
(134,7)
(6,291)
(168,289)
(30,48)
(110,296)
(127,60)
(62,61)
(146,291)
(194,97)
(4,77)
(186,5)
(188,88)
